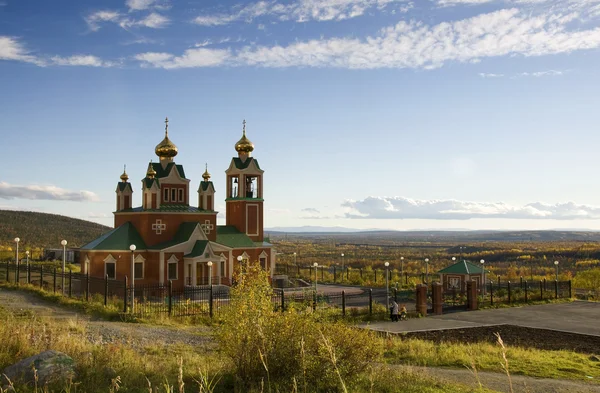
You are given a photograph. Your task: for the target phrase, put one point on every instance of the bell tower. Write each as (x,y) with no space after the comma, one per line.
(245,191)
(124,192)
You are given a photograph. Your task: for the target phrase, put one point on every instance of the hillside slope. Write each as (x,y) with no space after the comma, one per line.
(46,230)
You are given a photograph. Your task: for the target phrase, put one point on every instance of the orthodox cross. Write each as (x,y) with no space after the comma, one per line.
(159,227)
(207,227)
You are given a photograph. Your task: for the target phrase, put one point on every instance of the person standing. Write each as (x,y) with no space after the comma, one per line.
(394,311)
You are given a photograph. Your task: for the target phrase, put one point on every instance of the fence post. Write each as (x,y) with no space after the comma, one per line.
(344,303)
(125,296)
(541,290)
(526,290)
(508,285)
(87,286)
(210,300)
(54,280)
(347,272)
(70,281)
(361,273)
(375,276)
(406,278)
(18,277)
(41,277)
(570,290)
(106,290)
(283,300)
(334,273)
(491,293)
(370,301)
(7,272)
(545,286)
(322,273)
(314,300)
(555,289)
(170,296)
(395,295)
(29,273)
(521,283)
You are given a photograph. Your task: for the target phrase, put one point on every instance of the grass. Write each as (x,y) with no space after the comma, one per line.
(523,361)
(173,368)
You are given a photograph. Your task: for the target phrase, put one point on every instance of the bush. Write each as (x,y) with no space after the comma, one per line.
(281,350)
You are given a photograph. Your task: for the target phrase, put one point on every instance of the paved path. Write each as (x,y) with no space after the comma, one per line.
(576,317)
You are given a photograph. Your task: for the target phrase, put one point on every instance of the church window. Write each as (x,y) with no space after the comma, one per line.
(263,263)
(180,195)
(223,268)
(173,195)
(172,270)
(233,187)
(138,270)
(166,198)
(110,270)
(250,187)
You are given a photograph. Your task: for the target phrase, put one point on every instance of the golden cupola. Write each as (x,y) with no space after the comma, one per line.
(244,146)
(124,176)
(151,172)
(166,149)
(206,175)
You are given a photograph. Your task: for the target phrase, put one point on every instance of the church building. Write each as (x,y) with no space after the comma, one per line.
(175,240)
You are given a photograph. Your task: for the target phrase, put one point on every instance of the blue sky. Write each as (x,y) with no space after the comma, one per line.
(476,114)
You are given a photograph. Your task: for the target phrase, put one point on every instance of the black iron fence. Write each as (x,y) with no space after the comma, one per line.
(524,291)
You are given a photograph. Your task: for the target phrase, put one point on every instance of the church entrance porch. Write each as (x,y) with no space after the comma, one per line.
(200,273)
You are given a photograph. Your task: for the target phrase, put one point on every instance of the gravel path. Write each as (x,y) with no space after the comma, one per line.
(499,382)
(99,331)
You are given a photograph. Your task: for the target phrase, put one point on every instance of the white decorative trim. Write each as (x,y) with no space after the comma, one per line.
(139,258)
(173,259)
(110,258)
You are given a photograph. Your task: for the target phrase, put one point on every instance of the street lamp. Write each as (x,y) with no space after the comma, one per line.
(27,264)
(209,264)
(132,248)
(483,268)
(387,285)
(556,264)
(17,240)
(427,271)
(401,267)
(239,259)
(342,267)
(453,259)
(64,244)
(316,265)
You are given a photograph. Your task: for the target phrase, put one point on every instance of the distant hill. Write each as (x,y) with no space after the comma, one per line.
(46,230)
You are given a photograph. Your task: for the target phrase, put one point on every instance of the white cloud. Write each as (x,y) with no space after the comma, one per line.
(490,75)
(81,60)
(413,44)
(542,73)
(197,57)
(35,192)
(311,210)
(153,20)
(405,208)
(299,11)
(11,49)
(138,5)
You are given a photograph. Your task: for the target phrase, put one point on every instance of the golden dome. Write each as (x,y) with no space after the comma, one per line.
(206,175)
(166,148)
(244,145)
(124,176)
(151,172)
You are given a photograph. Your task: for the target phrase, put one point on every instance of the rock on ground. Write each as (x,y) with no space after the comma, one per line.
(51,366)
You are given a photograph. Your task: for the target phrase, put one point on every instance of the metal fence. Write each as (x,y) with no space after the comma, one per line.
(524,291)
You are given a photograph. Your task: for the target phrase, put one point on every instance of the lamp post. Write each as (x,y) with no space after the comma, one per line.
(427,271)
(64,244)
(17,240)
(27,264)
(316,265)
(483,268)
(239,259)
(556,264)
(461,251)
(132,248)
(294,259)
(401,267)
(453,259)
(209,264)
(387,285)
(342,267)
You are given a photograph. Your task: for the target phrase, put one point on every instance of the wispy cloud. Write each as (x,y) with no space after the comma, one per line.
(153,20)
(299,11)
(539,74)
(311,210)
(405,208)
(489,75)
(81,60)
(45,192)
(412,44)
(12,49)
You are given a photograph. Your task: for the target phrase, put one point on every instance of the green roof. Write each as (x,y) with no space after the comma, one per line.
(160,172)
(229,236)
(239,164)
(205,184)
(183,234)
(169,208)
(119,239)
(124,185)
(462,267)
(148,182)
(198,249)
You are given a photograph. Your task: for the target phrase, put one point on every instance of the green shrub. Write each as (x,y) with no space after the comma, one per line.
(282,349)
